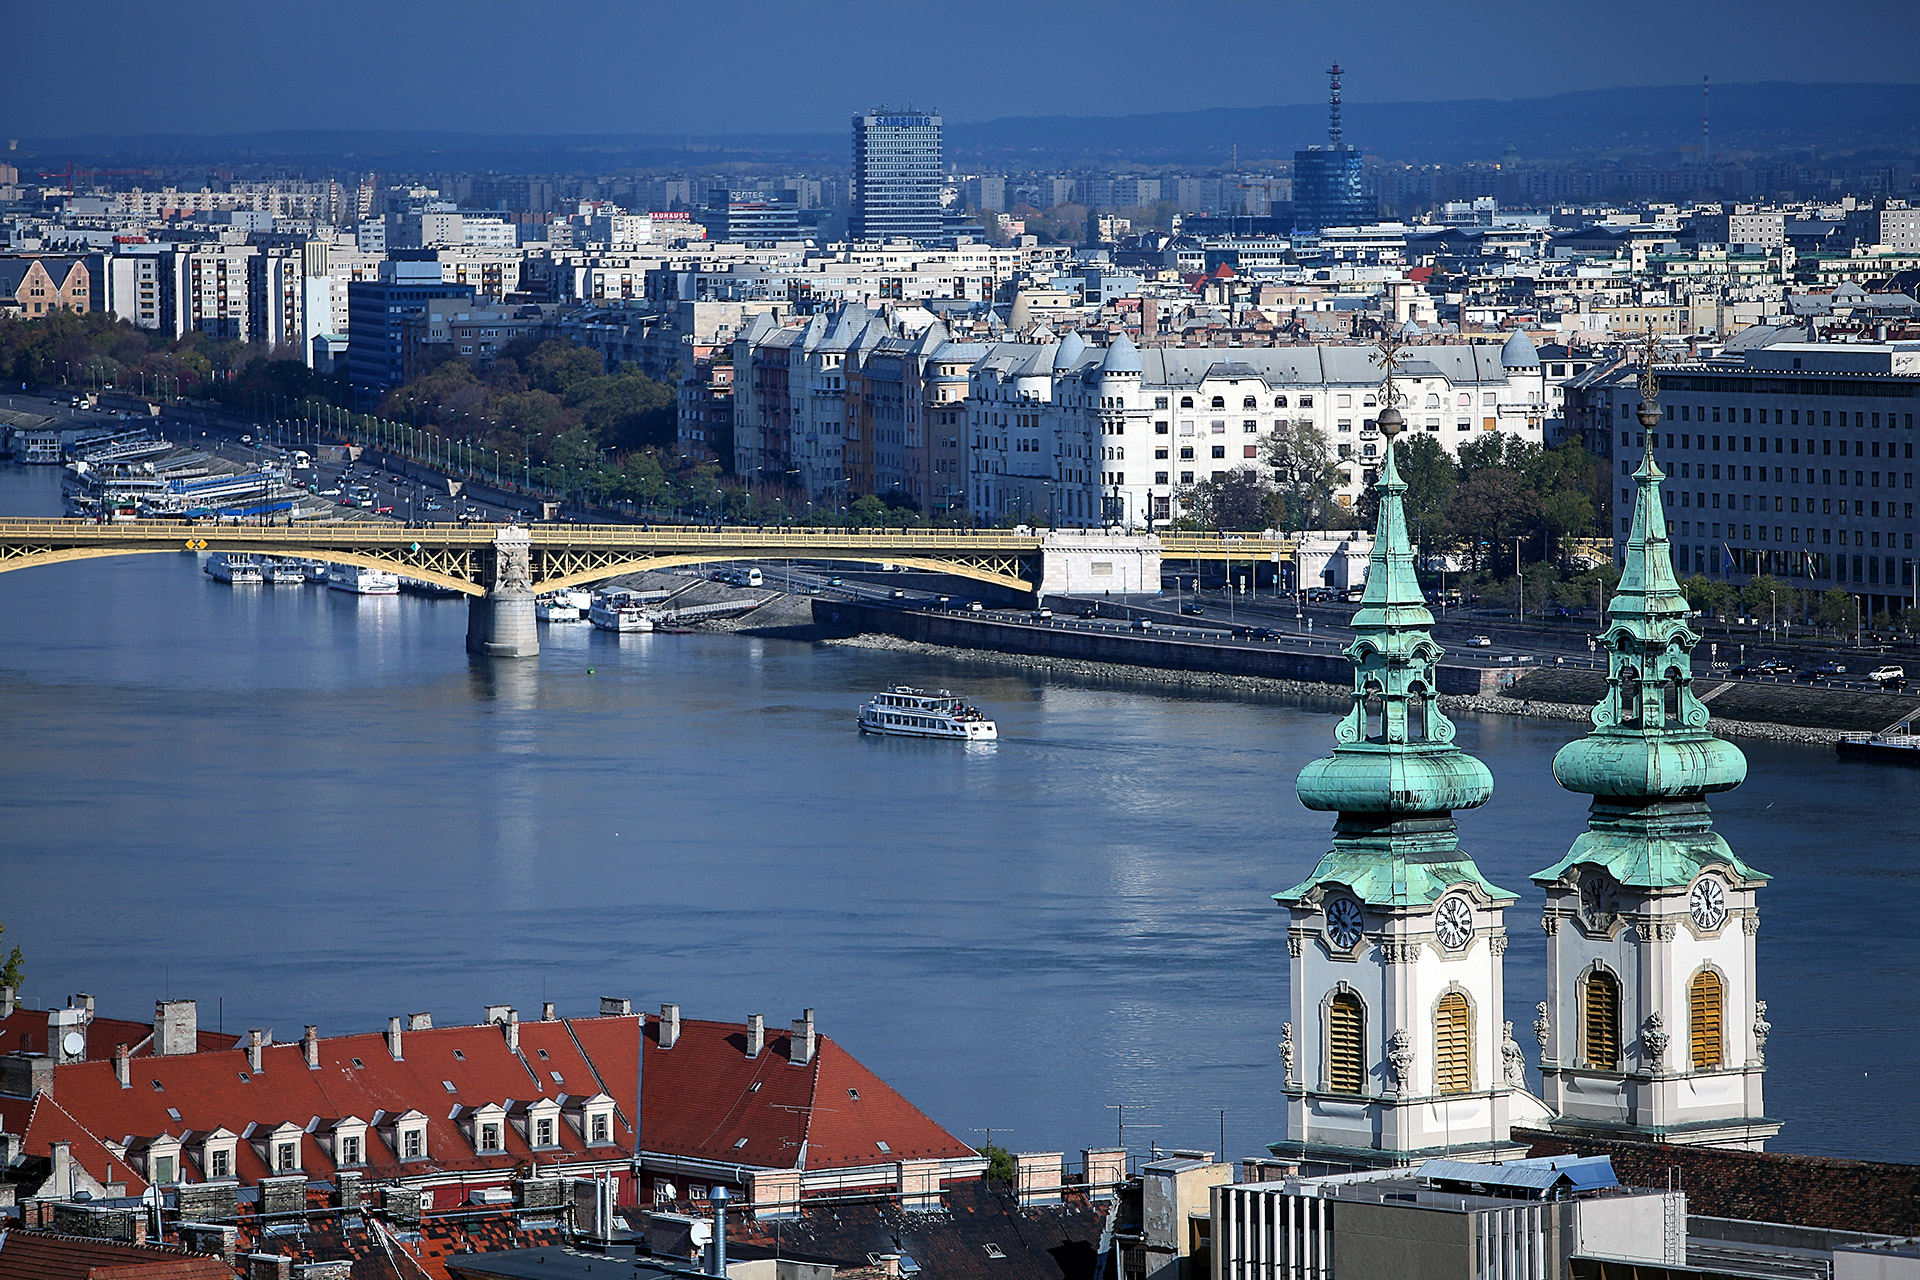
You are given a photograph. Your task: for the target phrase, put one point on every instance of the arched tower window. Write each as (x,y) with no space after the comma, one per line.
(1706,1001)
(1375,705)
(1600,1020)
(1670,691)
(1346,1044)
(1629,695)
(1417,714)
(1453,1044)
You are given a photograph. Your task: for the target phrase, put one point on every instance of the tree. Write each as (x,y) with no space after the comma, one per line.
(1762,593)
(1490,509)
(1302,463)
(1837,610)
(11,971)
(1239,500)
(1709,595)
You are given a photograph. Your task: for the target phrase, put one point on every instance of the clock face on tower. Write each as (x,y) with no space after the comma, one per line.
(1453,923)
(1596,901)
(1343,923)
(1707,903)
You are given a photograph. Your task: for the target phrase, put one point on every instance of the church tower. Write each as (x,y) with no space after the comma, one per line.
(1397,1050)
(1651,1028)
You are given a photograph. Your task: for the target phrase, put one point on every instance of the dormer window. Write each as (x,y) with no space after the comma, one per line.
(543,1132)
(602,1129)
(219,1163)
(163,1171)
(286,1157)
(489,1137)
(413,1144)
(349,1151)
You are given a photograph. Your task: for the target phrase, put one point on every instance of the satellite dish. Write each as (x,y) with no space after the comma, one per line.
(74,1045)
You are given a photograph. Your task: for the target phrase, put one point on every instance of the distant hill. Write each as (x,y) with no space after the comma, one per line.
(1772,119)
(1873,122)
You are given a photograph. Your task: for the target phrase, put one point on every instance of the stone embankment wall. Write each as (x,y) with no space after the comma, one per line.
(1781,713)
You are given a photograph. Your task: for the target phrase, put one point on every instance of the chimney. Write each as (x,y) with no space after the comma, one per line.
(546,1011)
(62,1180)
(393,1039)
(6,1002)
(669,1025)
(11,1145)
(510,1027)
(253,1051)
(310,1048)
(756,1035)
(800,1049)
(176,1027)
(123,1066)
(492,1013)
(85,1003)
(419,1022)
(615,1007)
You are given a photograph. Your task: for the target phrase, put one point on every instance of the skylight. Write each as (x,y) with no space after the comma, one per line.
(739,1143)
(448,1085)
(854,1094)
(883,1146)
(460,1055)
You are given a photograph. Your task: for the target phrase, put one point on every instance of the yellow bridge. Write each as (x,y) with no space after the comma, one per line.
(495,562)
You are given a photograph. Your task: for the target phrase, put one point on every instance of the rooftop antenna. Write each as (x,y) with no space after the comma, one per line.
(1334,132)
(1706,152)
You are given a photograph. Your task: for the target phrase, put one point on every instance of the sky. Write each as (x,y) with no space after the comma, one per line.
(694,67)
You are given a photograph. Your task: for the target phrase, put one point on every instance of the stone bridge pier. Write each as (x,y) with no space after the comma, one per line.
(1092,562)
(500,624)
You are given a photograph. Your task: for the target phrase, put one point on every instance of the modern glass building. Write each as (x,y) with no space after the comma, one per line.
(896,177)
(1328,189)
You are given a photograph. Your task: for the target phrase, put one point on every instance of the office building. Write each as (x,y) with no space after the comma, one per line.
(896,177)
(755,216)
(377,315)
(1328,187)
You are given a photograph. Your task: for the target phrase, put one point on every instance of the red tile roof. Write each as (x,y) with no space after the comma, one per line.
(42,1121)
(42,1255)
(703,1096)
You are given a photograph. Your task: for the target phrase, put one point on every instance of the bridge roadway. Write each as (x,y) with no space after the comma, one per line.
(502,568)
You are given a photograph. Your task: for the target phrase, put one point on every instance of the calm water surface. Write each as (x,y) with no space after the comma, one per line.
(297,806)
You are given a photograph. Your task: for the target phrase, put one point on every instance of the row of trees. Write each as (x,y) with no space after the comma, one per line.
(1497,491)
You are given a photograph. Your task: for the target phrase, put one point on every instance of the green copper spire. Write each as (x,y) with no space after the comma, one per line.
(1650,760)
(1395,776)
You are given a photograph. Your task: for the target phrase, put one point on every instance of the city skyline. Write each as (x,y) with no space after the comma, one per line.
(420,71)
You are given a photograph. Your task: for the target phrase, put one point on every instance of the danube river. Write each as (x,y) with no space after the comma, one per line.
(300,807)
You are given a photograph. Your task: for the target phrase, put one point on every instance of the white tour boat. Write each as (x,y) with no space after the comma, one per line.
(284,573)
(911,713)
(235,570)
(315,572)
(363,582)
(556,608)
(619,611)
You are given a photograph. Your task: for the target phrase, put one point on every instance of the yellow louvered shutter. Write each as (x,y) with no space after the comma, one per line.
(1346,1054)
(1705,1000)
(1453,1045)
(1603,1021)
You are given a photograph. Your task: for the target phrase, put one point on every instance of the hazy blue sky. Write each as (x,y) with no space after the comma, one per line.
(698,66)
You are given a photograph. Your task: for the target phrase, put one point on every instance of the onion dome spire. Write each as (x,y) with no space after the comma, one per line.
(1650,761)
(1395,776)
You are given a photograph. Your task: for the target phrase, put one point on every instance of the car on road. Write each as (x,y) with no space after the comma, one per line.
(246,439)
(1256,633)
(1480,642)
(1824,671)
(1193,611)
(1889,674)
(834,582)
(435,505)
(974,606)
(383,511)
(1143,624)
(1040,615)
(332,491)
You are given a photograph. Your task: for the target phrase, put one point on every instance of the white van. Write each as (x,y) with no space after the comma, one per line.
(750,578)
(300,460)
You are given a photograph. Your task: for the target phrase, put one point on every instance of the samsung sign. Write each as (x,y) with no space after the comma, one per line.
(903,122)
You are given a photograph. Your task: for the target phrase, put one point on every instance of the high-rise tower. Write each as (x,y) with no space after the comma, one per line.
(1397,1049)
(1651,1027)
(896,177)
(1329,189)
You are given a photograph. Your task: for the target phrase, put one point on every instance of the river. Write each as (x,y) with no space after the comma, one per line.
(300,807)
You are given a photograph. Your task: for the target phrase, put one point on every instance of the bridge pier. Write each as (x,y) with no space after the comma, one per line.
(1092,562)
(501,624)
